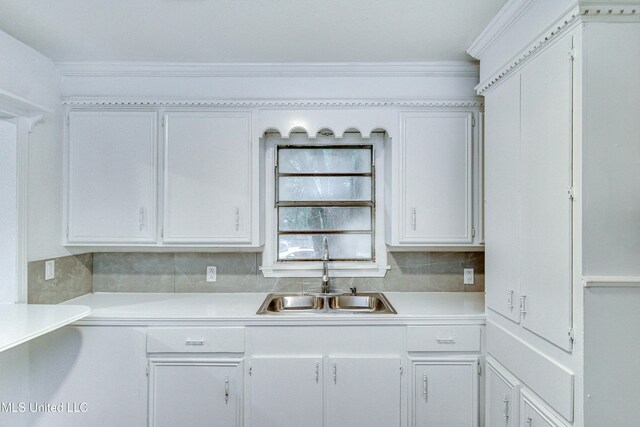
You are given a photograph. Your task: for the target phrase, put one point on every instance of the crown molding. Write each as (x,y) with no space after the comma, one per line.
(567,22)
(280,69)
(503,20)
(577,13)
(475,102)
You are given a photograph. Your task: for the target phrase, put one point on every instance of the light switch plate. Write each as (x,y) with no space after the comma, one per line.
(49,269)
(212,273)
(468,276)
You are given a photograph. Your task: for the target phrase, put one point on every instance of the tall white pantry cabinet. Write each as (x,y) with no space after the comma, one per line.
(562,214)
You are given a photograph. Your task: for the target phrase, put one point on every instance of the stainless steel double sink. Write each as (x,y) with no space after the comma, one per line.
(370,303)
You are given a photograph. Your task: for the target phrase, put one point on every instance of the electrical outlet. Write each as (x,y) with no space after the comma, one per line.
(212,273)
(468,276)
(50,269)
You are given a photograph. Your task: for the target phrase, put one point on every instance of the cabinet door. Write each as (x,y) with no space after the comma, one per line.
(546,168)
(194,393)
(286,392)
(112,176)
(534,414)
(207,189)
(502,397)
(445,393)
(363,392)
(502,191)
(436,178)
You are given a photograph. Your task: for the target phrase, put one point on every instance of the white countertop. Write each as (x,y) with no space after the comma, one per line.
(23,322)
(240,308)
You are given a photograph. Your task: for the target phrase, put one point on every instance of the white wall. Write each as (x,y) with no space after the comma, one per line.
(611,145)
(45,185)
(32,78)
(8,212)
(27,74)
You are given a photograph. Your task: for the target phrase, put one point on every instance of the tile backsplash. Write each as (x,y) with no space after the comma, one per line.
(237,272)
(72,278)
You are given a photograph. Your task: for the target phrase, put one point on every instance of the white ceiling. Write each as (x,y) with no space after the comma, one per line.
(248,30)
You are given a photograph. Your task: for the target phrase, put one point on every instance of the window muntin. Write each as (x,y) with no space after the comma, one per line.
(326,190)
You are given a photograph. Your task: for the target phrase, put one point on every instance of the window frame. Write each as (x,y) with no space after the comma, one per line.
(371,203)
(270,266)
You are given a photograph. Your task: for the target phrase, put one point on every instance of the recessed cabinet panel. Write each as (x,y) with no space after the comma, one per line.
(436,178)
(502,397)
(194,393)
(112,176)
(502,195)
(445,393)
(534,414)
(546,207)
(207,193)
(363,391)
(286,392)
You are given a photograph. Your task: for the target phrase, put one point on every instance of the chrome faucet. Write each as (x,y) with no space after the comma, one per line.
(326,285)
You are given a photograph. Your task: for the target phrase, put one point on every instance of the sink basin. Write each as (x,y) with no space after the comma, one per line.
(369,303)
(346,303)
(291,303)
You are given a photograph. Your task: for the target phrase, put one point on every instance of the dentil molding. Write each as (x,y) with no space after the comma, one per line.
(475,102)
(577,14)
(551,34)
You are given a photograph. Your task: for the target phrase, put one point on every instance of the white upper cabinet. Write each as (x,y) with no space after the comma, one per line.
(207,178)
(112,177)
(433,180)
(502,189)
(528,190)
(546,201)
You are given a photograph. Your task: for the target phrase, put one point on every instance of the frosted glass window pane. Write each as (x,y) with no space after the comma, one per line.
(309,246)
(324,188)
(324,160)
(325,218)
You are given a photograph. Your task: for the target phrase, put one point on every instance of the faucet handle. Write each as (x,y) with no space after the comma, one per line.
(353,290)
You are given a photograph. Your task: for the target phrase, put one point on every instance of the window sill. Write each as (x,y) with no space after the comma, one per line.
(314,269)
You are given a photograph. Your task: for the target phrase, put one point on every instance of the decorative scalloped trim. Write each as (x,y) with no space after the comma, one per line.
(556,30)
(167,102)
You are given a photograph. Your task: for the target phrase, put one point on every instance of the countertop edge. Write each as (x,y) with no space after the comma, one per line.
(46,327)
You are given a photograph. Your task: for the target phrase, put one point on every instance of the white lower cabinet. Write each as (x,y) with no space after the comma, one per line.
(195,392)
(445,392)
(306,390)
(533,413)
(286,391)
(502,396)
(363,391)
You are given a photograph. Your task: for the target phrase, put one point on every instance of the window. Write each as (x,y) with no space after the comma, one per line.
(325,190)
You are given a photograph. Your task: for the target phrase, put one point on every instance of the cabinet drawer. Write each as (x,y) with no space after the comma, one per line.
(447,338)
(195,340)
